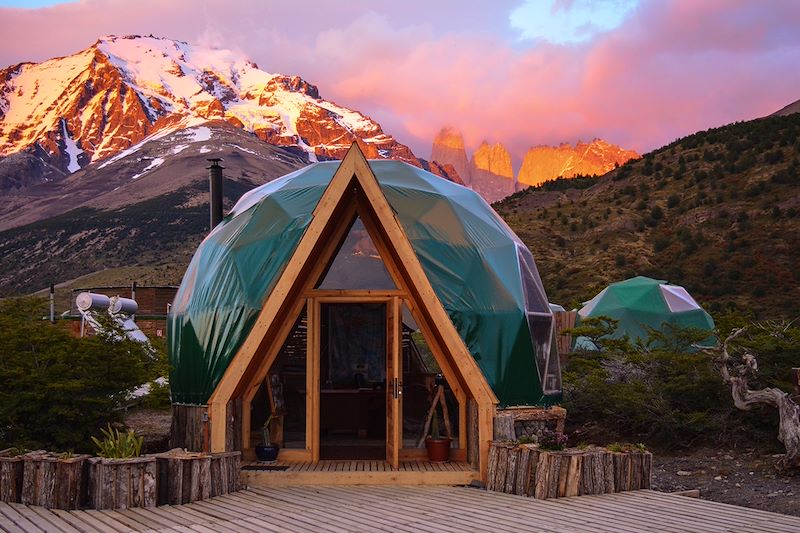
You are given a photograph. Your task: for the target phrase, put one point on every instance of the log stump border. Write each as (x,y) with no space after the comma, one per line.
(527,470)
(122,483)
(11,468)
(53,481)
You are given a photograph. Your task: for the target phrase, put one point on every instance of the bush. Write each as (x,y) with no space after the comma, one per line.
(664,394)
(55,389)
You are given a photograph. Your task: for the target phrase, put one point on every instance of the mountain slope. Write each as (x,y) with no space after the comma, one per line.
(145,208)
(62,114)
(717,211)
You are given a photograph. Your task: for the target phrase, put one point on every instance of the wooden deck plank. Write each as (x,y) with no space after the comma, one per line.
(109,524)
(196,520)
(18,517)
(402,517)
(56,523)
(130,523)
(300,521)
(6,523)
(408,509)
(721,513)
(316,511)
(82,521)
(351,506)
(480,514)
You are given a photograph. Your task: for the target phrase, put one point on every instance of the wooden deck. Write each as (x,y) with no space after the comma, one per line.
(359,473)
(409,509)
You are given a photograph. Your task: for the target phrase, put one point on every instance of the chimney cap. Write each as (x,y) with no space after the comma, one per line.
(214,162)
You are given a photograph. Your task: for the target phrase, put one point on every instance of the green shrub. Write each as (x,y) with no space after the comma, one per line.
(662,393)
(55,389)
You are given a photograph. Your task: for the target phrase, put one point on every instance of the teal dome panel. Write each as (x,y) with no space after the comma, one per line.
(470,256)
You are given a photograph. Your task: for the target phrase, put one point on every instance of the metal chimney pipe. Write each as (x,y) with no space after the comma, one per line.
(215,191)
(52,304)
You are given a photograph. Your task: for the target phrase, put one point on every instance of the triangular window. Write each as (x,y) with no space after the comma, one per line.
(357,264)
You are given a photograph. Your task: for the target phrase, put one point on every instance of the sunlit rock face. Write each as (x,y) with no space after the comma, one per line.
(448,148)
(491,171)
(542,163)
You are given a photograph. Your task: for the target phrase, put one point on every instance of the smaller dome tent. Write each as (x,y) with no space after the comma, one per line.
(642,302)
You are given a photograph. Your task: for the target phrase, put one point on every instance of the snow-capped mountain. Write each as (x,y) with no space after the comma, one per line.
(58,116)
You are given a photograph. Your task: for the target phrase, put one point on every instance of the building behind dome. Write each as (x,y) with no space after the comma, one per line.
(293,299)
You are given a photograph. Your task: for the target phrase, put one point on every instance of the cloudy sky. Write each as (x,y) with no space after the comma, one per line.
(639,73)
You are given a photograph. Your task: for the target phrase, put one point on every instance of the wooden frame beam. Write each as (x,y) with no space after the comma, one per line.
(341,201)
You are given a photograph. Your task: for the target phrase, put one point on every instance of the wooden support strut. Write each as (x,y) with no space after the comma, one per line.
(438,398)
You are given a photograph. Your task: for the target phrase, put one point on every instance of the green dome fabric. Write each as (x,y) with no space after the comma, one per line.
(482,273)
(641,302)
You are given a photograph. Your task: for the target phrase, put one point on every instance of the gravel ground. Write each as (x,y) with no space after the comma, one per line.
(740,477)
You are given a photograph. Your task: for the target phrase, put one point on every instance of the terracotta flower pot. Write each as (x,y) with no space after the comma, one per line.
(438,449)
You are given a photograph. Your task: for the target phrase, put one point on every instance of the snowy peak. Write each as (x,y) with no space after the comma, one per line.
(74,110)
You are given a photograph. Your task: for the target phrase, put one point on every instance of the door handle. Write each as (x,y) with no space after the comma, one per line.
(397,388)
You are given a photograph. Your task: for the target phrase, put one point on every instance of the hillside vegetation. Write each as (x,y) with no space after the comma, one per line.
(159,234)
(717,212)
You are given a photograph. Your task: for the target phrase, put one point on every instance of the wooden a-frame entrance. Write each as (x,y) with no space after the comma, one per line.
(353,191)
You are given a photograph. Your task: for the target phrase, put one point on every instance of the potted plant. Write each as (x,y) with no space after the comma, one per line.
(120,477)
(266,451)
(438,447)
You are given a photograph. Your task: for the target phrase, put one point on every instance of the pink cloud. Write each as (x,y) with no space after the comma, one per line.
(672,68)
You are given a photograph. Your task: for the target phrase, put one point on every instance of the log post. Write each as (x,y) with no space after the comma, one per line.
(183,477)
(11,467)
(225,472)
(504,427)
(122,483)
(53,481)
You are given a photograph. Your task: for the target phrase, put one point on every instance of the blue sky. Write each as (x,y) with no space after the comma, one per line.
(32,3)
(568,21)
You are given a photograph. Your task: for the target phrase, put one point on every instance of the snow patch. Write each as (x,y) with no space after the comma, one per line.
(72,149)
(204,149)
(200,134)
(156,162)
(180,148)
(243,149)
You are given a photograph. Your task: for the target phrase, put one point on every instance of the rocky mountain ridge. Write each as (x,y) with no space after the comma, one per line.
(490,172)
(58,116)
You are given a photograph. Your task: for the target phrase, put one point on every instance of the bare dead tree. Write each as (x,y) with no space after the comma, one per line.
(737,369)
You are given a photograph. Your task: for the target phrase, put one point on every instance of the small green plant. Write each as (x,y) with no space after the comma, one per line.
(265,432)
(117,445)
(67,455)
(16,451)
(618,447)
(525,439)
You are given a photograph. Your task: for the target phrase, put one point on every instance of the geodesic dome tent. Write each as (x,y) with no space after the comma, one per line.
(483,275)
(642,302)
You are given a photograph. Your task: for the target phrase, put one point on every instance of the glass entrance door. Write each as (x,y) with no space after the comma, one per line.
(354,345)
